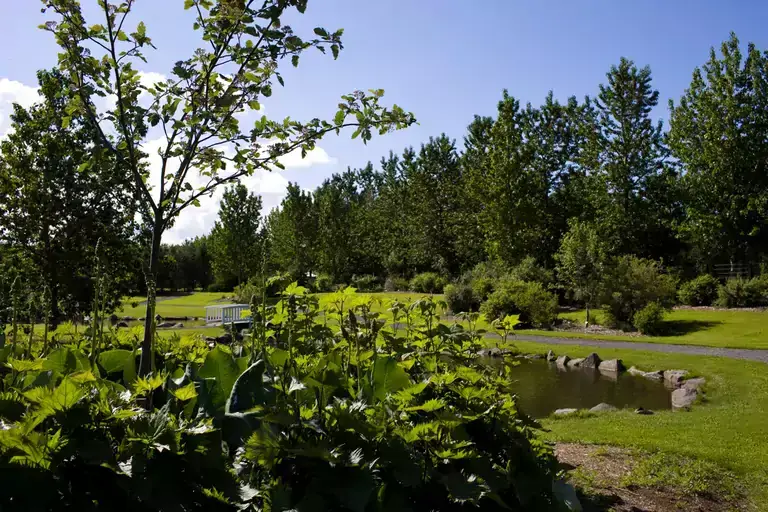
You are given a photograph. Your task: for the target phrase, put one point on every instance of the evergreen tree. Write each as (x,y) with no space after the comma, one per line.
(236,239)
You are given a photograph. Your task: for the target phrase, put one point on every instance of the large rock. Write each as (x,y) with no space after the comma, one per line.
(178,326)
(573,363)
(551,356)
(165,325)
(603,407)
(694,383)
(121,324)
(674,378)
(684,397)
(643,411)
(565,412)
(657,375)
(128,319)
(591,361)
(562,361)
(612,365)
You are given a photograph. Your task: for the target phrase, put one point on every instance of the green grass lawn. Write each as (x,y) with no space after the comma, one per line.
(192,305)
(713,328)
(728,429)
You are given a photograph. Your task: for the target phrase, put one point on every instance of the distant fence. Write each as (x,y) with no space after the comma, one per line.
(735,270)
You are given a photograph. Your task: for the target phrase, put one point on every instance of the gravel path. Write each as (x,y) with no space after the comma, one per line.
(733,353)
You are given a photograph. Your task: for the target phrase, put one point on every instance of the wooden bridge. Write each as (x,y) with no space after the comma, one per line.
(227,314)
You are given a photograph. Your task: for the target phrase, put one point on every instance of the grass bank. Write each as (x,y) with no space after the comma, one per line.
(728,429)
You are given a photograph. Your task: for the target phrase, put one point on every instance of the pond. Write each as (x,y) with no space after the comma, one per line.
(542,388)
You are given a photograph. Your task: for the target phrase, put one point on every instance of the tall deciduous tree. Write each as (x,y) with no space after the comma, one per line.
(581,262)
(719,134)
(195,112)
(58,202)
(236,241)
(627,151)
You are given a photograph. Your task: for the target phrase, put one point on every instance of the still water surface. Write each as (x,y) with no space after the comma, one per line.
(542,388)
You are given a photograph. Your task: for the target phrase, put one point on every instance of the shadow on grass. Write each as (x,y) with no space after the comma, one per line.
(599,502)
(683,327)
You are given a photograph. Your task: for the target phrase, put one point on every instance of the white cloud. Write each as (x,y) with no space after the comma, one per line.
(317,156)
(12,92)
(271,186)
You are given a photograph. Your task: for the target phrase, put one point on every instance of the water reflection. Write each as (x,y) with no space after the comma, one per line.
(542,388)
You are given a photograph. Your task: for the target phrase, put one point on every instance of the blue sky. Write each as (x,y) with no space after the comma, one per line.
(444,60)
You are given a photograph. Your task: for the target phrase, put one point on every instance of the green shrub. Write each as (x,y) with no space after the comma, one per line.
(743,293)
(631,284)
(323,283)
(396,284)
(366,283)
(218,287)
(428,282)
(650,319)
(460,298)
(501,302)
(483,287)
(530,271)
(701,291)
(537,306)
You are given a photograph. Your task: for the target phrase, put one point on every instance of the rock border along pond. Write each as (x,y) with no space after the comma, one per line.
(685,391)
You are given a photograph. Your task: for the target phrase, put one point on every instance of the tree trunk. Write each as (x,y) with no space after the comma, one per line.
(145,365)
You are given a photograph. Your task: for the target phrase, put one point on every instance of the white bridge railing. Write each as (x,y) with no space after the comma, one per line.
(226,314)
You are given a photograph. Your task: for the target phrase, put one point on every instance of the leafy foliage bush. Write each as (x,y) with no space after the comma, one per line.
(366,283)
(650,319)
(460,298)
(396,284)
(537,306)
(530,271)
(743,293)
(701,291)
(531,301)
(631,284)
(323,283)
(428,282)
(217,287)
(341,418)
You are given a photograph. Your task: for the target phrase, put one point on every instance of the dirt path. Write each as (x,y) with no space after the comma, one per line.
(733,353)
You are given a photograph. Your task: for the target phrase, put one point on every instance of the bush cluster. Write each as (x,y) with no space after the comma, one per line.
(428,282)
(744,293)
(366,283)
(701,291)
(396,284)
(323,283)
(535,305)
(460,298)
(650,319)
(631,284)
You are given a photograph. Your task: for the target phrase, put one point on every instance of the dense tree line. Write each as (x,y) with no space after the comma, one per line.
(522,184)
(693,195)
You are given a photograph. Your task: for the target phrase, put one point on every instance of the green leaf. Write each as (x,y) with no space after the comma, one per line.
(319,31)
(295,60)
(62,360)
(249,390)
(188,4)
(335,51)
(97,28)
(185,393)
(141,29)
(66,121)
(222,367)
(340,116)
(254,105)
(122,36)
(115,360)
(388,377)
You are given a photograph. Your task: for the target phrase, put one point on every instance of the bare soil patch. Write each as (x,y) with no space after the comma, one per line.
(604,479)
